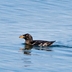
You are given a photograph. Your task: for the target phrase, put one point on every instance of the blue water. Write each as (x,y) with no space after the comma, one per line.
(43,19)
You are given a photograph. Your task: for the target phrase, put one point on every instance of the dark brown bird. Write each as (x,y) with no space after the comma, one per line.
(29,40)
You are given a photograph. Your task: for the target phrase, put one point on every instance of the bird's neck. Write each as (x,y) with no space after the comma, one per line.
(28,41)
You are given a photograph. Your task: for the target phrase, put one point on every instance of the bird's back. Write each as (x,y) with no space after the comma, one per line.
(42,42)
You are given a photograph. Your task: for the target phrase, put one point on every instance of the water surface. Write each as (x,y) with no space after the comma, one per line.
(43,19)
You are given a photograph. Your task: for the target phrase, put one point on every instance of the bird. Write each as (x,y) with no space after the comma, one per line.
(29,41)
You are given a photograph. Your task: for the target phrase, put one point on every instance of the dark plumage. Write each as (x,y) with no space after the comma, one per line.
(29,40)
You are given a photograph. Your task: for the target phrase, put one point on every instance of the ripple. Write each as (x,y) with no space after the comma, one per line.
(45,20)
(61,46)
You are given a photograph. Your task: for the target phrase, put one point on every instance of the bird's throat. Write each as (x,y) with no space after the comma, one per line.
(28,42)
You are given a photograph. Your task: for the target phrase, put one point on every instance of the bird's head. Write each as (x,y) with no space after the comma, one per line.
(27,37)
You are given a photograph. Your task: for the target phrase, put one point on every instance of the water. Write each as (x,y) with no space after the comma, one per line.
(43,19)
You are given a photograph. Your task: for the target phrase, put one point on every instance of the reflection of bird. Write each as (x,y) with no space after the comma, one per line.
(29,40)
(27,49)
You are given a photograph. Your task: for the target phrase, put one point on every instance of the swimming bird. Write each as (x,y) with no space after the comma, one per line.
(29,40)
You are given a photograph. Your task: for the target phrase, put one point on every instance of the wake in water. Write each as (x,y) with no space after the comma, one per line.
(61,46)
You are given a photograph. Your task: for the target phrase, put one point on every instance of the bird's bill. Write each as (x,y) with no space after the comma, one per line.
(21,36)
